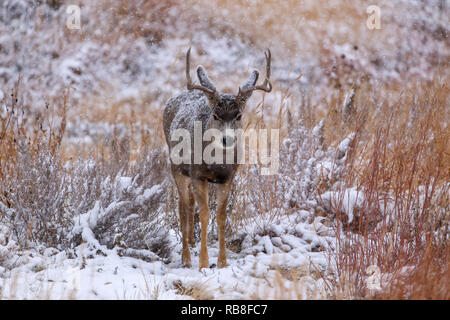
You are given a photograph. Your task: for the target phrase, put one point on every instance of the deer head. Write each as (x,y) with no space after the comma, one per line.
(226,109)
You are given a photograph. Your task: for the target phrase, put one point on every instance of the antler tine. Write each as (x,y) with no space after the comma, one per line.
(190,85)
(267,82)
(266,85)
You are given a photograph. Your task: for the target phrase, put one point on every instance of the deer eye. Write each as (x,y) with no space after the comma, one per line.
(238,118)
(215,116)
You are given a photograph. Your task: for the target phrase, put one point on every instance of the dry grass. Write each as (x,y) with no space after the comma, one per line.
(399,160)
(299,283)
(38,201)
(400,163)
(198,291)
(138,118)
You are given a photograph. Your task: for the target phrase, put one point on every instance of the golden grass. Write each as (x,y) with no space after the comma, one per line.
(141,117)
(198,291)
(299,283)
(400,161)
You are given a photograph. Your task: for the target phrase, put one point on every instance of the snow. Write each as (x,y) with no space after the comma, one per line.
(347,201)
(148,193)
(55,275)
(345,144)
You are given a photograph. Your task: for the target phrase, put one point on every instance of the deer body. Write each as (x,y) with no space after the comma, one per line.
(182,112)
(202,104)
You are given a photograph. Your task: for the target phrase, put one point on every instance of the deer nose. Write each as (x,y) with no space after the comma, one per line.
(228,141)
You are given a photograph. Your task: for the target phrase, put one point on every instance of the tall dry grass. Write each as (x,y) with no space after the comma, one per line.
(43,191)
(400,166)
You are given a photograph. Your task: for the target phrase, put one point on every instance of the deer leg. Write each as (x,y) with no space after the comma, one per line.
(223,192)
(201,196)
(182,183)
(190,218)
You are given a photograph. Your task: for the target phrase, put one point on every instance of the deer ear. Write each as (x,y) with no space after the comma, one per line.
(204,79)
(250,82)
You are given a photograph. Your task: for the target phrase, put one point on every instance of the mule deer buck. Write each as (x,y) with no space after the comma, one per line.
(213,110)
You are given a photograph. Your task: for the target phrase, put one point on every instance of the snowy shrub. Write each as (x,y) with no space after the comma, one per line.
(36,195)
(114,201)
(131,211)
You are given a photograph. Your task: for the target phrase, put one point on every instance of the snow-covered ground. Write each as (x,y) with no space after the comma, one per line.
(293,247)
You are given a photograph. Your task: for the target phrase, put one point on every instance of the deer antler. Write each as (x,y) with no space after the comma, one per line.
(190,85)
(266,86)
